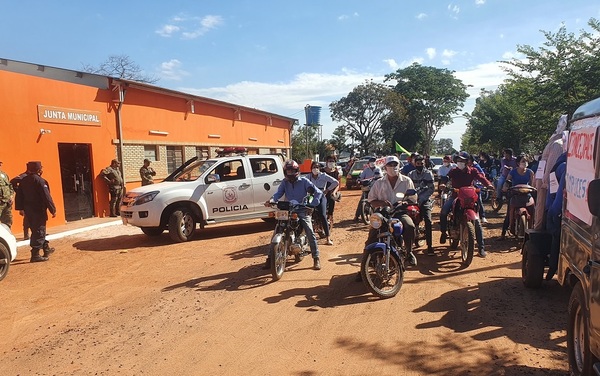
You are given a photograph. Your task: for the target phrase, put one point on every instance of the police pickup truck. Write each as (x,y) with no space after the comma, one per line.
(231,187)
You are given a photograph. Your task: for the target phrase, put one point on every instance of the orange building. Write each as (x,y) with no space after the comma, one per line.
(76,123)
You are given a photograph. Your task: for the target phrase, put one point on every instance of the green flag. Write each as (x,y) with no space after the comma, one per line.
(400,148)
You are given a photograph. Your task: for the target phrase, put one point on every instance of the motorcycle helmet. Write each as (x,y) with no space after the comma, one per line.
(291,169)
(463,155)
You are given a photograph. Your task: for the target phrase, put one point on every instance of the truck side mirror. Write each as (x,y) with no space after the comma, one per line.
(593,197)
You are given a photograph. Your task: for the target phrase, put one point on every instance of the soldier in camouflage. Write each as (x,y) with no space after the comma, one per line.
(6,198)
(114,179)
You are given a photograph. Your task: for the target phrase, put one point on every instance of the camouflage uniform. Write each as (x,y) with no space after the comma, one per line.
(6,192)
(112,176)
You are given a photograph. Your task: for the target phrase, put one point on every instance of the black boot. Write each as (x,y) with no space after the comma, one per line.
(48,250)
(35,256)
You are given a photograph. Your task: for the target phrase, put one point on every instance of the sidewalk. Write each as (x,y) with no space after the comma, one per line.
(71,228)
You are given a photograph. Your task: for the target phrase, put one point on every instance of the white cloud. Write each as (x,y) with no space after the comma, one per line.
(190,27)
(479,2)
(430,53)
(448,53)
(167,30)
(391,63)
(344,17)
(421,16)
(171,70)
(454,9)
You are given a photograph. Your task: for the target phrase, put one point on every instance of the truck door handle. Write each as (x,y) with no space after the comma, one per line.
(277,182)
(244,186)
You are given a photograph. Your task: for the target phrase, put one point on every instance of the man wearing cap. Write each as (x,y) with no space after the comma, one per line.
(114,179)
(6,198)
(147,173)
(34,201)
(462,176)
(369,172)
(383,193)
(422,179)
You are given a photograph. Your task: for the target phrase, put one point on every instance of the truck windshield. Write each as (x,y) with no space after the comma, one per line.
(194,170)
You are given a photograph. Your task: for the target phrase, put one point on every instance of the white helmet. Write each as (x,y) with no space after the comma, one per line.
(392,158)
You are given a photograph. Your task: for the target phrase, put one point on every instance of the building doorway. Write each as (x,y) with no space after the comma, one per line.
(76,177)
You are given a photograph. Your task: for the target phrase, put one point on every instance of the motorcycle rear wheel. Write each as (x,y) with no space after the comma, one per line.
(467,242)
(521,227)
(497,203)
(379,282)
(278,257)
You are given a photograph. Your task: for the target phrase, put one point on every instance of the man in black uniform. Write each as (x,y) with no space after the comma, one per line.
(34,200)
(15,183)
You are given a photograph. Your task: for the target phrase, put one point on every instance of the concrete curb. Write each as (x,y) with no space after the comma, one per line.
(59,235)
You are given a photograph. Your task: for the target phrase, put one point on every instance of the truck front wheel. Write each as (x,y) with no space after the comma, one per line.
(182,225)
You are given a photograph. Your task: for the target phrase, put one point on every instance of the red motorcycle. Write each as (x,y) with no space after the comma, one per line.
(462,220)
(414,212)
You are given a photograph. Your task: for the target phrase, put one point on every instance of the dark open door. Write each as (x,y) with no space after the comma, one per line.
(75,172)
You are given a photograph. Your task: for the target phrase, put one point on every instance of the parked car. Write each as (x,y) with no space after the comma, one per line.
(437,163)
(8,249)
(352,176)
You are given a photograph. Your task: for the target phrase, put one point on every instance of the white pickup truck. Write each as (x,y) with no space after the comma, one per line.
(223,189)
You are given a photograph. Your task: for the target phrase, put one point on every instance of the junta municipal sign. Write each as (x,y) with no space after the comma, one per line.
(49,114)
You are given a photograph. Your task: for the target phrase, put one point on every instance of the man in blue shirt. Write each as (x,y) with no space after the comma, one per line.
(410,165)
(296,188)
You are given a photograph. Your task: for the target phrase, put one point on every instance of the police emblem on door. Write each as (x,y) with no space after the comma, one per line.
(229,194)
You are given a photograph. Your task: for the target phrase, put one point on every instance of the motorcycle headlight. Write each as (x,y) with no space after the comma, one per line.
(376,220)
(146,197)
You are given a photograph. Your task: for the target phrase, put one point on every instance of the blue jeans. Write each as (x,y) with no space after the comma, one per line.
(321,211)
(306,223)
(501,181)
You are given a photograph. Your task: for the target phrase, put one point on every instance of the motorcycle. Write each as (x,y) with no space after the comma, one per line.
(521,220)
(288,237)
(382,266)
(365,207)
(414,212)
(462,220)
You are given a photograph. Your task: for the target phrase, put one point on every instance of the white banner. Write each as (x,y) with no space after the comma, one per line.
(580,168)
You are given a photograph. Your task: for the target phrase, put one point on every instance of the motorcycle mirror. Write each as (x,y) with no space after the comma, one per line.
(411,192)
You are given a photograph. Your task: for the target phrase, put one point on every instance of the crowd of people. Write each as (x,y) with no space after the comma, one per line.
(391,177)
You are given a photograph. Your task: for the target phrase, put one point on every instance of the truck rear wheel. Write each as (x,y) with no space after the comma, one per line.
(532,266)
(581,359)
(182,226)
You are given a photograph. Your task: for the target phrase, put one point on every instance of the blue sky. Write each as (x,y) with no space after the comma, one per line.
(279,55)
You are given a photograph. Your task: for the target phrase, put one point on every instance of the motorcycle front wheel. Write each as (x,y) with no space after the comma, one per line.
(467,242)
(381,281)
(365,211)
(497,203)
(521,227)
(278,257)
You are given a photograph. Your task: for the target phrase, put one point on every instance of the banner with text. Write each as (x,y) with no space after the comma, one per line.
(49,114)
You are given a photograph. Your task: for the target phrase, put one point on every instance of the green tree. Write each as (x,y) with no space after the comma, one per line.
(121,66)
(442,146)
(362,112)
(339,139)
(434,95)
(305,143)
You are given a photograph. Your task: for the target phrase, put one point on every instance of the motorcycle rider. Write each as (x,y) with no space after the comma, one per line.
(334,195)
(422,179)
(296,187)
(463,176)
(326,184)
(410,164)
(473,163)
(383,193)
(369,172)
(519,175)
(506,164)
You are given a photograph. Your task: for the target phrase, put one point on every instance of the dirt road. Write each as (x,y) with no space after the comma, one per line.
(116,302)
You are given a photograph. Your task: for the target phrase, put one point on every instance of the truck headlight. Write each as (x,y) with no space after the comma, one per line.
(146,197)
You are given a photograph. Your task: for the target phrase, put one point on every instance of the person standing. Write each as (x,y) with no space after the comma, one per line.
(506,165)
(114,179)
(334,195)
(6,198)
(422,179)
(147,173)
(15,184)
(34,201)
(326,184)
